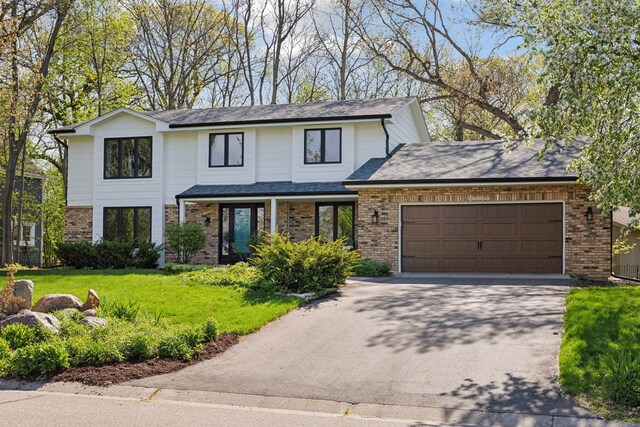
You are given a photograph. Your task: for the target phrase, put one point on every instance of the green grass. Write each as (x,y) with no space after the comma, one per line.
(599,322)
(235,309)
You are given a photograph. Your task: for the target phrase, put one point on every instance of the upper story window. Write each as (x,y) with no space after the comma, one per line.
(127,157)
(127,224)
(226,149)
(322,146)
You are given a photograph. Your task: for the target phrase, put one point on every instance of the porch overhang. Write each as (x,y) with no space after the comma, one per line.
(282,190)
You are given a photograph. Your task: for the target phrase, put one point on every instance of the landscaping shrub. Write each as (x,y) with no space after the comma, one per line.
(5,356)
(307,266)
(122,310)
(210,330)
(371,268)
(193,336)
(140,346)
(622,378)
(87,352)
(39,359)
(18,335)
(174,268)
(109,254)
(174,347)
(185,239)
(240,274)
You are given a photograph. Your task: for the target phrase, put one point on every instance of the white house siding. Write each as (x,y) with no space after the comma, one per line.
(245,174)
(80,191)
(370,142)
(273,154)
(181,157)
(403,129)
(323,172)
(134,192)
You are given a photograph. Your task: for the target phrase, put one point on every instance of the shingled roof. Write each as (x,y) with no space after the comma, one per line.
(468,161)
(259,189)
(277,113)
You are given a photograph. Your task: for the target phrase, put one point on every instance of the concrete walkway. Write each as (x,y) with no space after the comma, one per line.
(453,344)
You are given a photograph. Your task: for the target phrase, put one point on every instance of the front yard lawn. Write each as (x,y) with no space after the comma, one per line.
(236,310)
(600,323)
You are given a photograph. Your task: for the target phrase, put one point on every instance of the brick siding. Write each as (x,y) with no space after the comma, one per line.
(79,225)
(587,243)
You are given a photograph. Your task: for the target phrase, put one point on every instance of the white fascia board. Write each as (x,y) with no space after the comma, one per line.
(267,125)
(460,184)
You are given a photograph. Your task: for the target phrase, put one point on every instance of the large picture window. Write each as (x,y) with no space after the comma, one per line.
(127,157)
(322,146)
(226,149)
(335,220)
(127,224)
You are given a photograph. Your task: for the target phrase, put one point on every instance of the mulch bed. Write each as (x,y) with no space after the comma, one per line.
(126,371)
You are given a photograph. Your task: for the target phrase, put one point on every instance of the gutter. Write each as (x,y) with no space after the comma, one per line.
(386,136)
(467,181)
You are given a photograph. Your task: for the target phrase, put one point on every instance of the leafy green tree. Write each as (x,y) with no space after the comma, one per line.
(53,215)
(591,56)
(185,239)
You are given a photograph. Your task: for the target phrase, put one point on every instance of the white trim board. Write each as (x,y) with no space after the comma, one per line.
(508,202)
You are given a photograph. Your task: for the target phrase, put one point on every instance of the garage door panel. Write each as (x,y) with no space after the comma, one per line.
(466,265)
(500,247)
(459,229)
(421,264)
(460,247)
(518,237)
(425,247)
(423,230)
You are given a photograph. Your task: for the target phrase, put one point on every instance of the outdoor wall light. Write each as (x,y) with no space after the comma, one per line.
(207,219)
(375,217)
(589,213)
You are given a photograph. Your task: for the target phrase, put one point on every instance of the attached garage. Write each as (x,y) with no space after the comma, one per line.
(487,238)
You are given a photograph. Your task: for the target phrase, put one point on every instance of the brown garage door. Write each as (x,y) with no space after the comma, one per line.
(504,238)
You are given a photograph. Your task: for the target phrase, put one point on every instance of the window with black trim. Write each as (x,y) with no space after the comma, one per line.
(127,157)
(322,146)
(226,149)
(127,224)
(335,220)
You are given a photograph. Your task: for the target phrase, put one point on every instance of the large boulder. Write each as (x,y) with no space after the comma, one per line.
(33,319)
(93,301)
(23,290)
(57,302)
(93,321)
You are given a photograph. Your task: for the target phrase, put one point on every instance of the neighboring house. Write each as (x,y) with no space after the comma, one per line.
(28,240)
(364,170)
(626,264)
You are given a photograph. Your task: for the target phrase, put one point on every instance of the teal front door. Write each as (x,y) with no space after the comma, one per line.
(238,224)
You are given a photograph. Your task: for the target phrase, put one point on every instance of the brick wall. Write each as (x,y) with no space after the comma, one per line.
(197,213)
(587,243)
(79,224)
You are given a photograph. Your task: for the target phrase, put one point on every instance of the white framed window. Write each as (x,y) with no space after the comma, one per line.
(27,234)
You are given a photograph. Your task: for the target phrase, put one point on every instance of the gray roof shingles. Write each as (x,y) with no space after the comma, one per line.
(313,111)
(279,188)
(468,161)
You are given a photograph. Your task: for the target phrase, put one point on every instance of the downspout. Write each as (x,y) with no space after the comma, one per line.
(386,134)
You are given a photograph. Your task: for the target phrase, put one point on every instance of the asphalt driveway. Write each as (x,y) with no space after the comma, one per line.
(446,344)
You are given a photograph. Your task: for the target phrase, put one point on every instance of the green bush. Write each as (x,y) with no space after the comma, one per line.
(210,330)
(371,268)
(5,356)
(307,266)
(122,310)
(185,239)
(19,335)
(174,268)
(193,336)
(174,347)
(39,359)
(622,379)
(140,346)
(240,274)
(87,352)
(109,254)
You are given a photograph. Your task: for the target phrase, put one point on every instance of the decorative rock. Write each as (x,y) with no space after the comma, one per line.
(89,313)
(23,289)
(93,301)
(94,322)
(33,319)
(57,302)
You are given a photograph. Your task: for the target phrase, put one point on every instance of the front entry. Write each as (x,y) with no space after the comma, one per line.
(239,224)
(491,238)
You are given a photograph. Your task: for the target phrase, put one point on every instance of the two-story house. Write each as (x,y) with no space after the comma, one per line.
(365,170)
